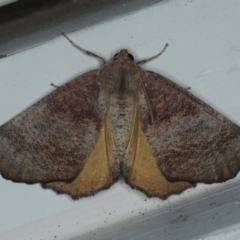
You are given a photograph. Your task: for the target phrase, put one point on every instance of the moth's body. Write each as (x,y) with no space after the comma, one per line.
(119,121)
(122,89)
(121,115)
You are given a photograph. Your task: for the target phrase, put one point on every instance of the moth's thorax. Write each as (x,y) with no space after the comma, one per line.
(121,85)
(120,76)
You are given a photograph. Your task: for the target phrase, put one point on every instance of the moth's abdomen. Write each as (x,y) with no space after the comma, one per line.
(121,117)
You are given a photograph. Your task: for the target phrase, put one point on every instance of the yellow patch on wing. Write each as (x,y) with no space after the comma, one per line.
(143,172)
(98,170)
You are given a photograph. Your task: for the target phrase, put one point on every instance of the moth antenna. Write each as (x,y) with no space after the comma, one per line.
(83,50)
(151,58)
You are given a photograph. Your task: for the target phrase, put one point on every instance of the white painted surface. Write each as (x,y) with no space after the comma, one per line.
(5,2)
(203,53)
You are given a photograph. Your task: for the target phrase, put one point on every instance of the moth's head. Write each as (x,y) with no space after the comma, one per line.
(123,55)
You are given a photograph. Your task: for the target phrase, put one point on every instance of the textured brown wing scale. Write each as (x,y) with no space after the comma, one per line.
(52,139)
(119,121)
(192,141)
(99,171)
(143,172)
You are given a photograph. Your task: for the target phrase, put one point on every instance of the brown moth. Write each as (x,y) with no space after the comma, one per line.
(119,121)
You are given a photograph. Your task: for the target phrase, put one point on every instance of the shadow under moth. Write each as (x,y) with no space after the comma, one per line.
(119,121)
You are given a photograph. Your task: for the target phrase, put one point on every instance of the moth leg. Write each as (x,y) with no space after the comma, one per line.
(147,99)
(153,57)
(54,85)
(83,50)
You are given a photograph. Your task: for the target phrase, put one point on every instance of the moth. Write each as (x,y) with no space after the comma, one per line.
(119,121)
